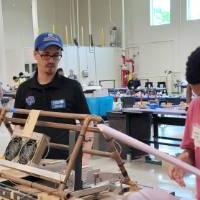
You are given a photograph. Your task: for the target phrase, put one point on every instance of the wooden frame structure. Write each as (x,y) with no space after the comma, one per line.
(61,192)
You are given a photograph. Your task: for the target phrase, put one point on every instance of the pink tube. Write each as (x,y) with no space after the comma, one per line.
(146,148)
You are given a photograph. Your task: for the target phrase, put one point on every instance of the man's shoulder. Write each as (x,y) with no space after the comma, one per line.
(26,83)
(70,82)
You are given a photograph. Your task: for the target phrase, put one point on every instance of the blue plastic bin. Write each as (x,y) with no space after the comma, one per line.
(93,105)
(100,105)
(153,105)
(105,105)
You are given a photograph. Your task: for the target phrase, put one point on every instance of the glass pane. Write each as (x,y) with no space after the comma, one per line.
(193,9)
(160,12)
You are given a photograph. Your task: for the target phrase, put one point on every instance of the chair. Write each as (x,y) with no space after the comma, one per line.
(173,100)
(161,84)
(133,84)
(148,85)
(161,87)
(128,102)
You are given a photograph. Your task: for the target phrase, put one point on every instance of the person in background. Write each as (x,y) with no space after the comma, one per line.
(133,82)
(49,91)
(60,72)
(191,142)
(19,79)
(72,75)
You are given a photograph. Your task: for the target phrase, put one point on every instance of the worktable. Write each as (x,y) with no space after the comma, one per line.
(137,123)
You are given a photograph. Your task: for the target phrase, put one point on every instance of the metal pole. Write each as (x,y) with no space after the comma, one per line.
(123,29)
(35,18)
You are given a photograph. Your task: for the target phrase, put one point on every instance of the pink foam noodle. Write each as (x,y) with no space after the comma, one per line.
(146,148)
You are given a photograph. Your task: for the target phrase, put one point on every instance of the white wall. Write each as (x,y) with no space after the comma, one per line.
(2,48)
(53,12)
(17,17)
(160,47)
(60,14)
(101,18)
(108,64)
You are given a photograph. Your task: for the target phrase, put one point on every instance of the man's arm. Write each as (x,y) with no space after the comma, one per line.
(81,105)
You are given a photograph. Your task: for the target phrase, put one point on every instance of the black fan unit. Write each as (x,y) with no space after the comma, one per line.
(27,152)
(13,148)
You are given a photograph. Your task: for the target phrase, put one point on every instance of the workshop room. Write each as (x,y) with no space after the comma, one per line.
(99,99)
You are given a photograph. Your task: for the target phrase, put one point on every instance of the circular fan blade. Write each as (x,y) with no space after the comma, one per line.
(13,148)
(27,152)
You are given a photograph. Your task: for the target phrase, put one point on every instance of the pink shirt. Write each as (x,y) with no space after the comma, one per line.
(193,118)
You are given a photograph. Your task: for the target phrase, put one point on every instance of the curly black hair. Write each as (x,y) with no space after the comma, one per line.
(193,67)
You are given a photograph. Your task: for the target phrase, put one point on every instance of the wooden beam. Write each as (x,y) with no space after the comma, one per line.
(30,123)
(41,173)
(53,125)
(56,114)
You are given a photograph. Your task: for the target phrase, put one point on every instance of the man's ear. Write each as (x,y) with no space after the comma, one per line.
(34,54)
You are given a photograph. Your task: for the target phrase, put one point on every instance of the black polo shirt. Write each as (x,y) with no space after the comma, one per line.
(60,95)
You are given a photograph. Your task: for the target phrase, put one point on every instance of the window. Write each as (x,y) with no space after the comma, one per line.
(193,9)
(159,12)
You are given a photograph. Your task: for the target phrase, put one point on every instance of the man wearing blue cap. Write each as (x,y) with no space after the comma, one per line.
(47,90)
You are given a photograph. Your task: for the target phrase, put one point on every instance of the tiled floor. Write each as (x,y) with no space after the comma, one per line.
(149,175)
(145,174)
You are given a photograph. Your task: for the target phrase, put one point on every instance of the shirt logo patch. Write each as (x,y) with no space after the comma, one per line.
(56,104)
(30,100)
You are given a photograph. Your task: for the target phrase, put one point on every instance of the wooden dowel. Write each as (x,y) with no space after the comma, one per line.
(8,126)
(89,151)
(55,114)
(76,150)
(29,184)
(58,146)
(51,176)
(116,156)
(97,153)
(53,125)
(2,115)
(132,142)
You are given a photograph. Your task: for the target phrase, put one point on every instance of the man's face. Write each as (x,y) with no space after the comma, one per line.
(48,59)
(196,88)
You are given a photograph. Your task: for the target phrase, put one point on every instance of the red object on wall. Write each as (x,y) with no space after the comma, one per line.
(126,70)
(127,61)
(124,77)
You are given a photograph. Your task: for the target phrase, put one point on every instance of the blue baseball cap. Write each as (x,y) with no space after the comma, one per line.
(47,39)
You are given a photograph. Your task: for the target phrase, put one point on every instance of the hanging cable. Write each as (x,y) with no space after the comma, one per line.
(71,24)
(77,20)
(110,13)
(91,43)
